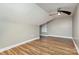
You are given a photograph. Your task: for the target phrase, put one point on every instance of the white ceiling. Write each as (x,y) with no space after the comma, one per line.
(30,13)
(52,7)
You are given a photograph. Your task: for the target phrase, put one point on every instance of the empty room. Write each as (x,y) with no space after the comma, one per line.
(39,29)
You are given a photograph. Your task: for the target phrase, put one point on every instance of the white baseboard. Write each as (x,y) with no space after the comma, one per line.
(76,46)
(57,36)
(12,46)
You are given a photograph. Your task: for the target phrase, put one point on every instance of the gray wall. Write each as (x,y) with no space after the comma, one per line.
(14,33)
(19,23)
(76,26)
(60,27)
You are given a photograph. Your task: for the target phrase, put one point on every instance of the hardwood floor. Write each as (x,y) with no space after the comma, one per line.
(44,46)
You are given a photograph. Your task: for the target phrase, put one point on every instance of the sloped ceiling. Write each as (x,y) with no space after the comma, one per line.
(52,7)
(27,13)
(30,13)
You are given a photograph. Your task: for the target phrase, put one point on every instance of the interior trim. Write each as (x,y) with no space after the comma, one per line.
(12,46)
(57,36)
(76,46)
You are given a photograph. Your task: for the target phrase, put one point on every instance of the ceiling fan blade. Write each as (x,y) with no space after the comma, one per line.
(66,12)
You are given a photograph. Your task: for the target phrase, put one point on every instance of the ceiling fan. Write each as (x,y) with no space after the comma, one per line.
(59,11)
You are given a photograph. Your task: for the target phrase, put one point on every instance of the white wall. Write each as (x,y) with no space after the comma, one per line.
(60,27)
(75,23)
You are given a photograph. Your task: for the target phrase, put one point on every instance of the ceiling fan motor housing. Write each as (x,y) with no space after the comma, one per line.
(66,12)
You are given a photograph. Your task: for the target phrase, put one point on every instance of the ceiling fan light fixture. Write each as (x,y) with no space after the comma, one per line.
(59,13)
